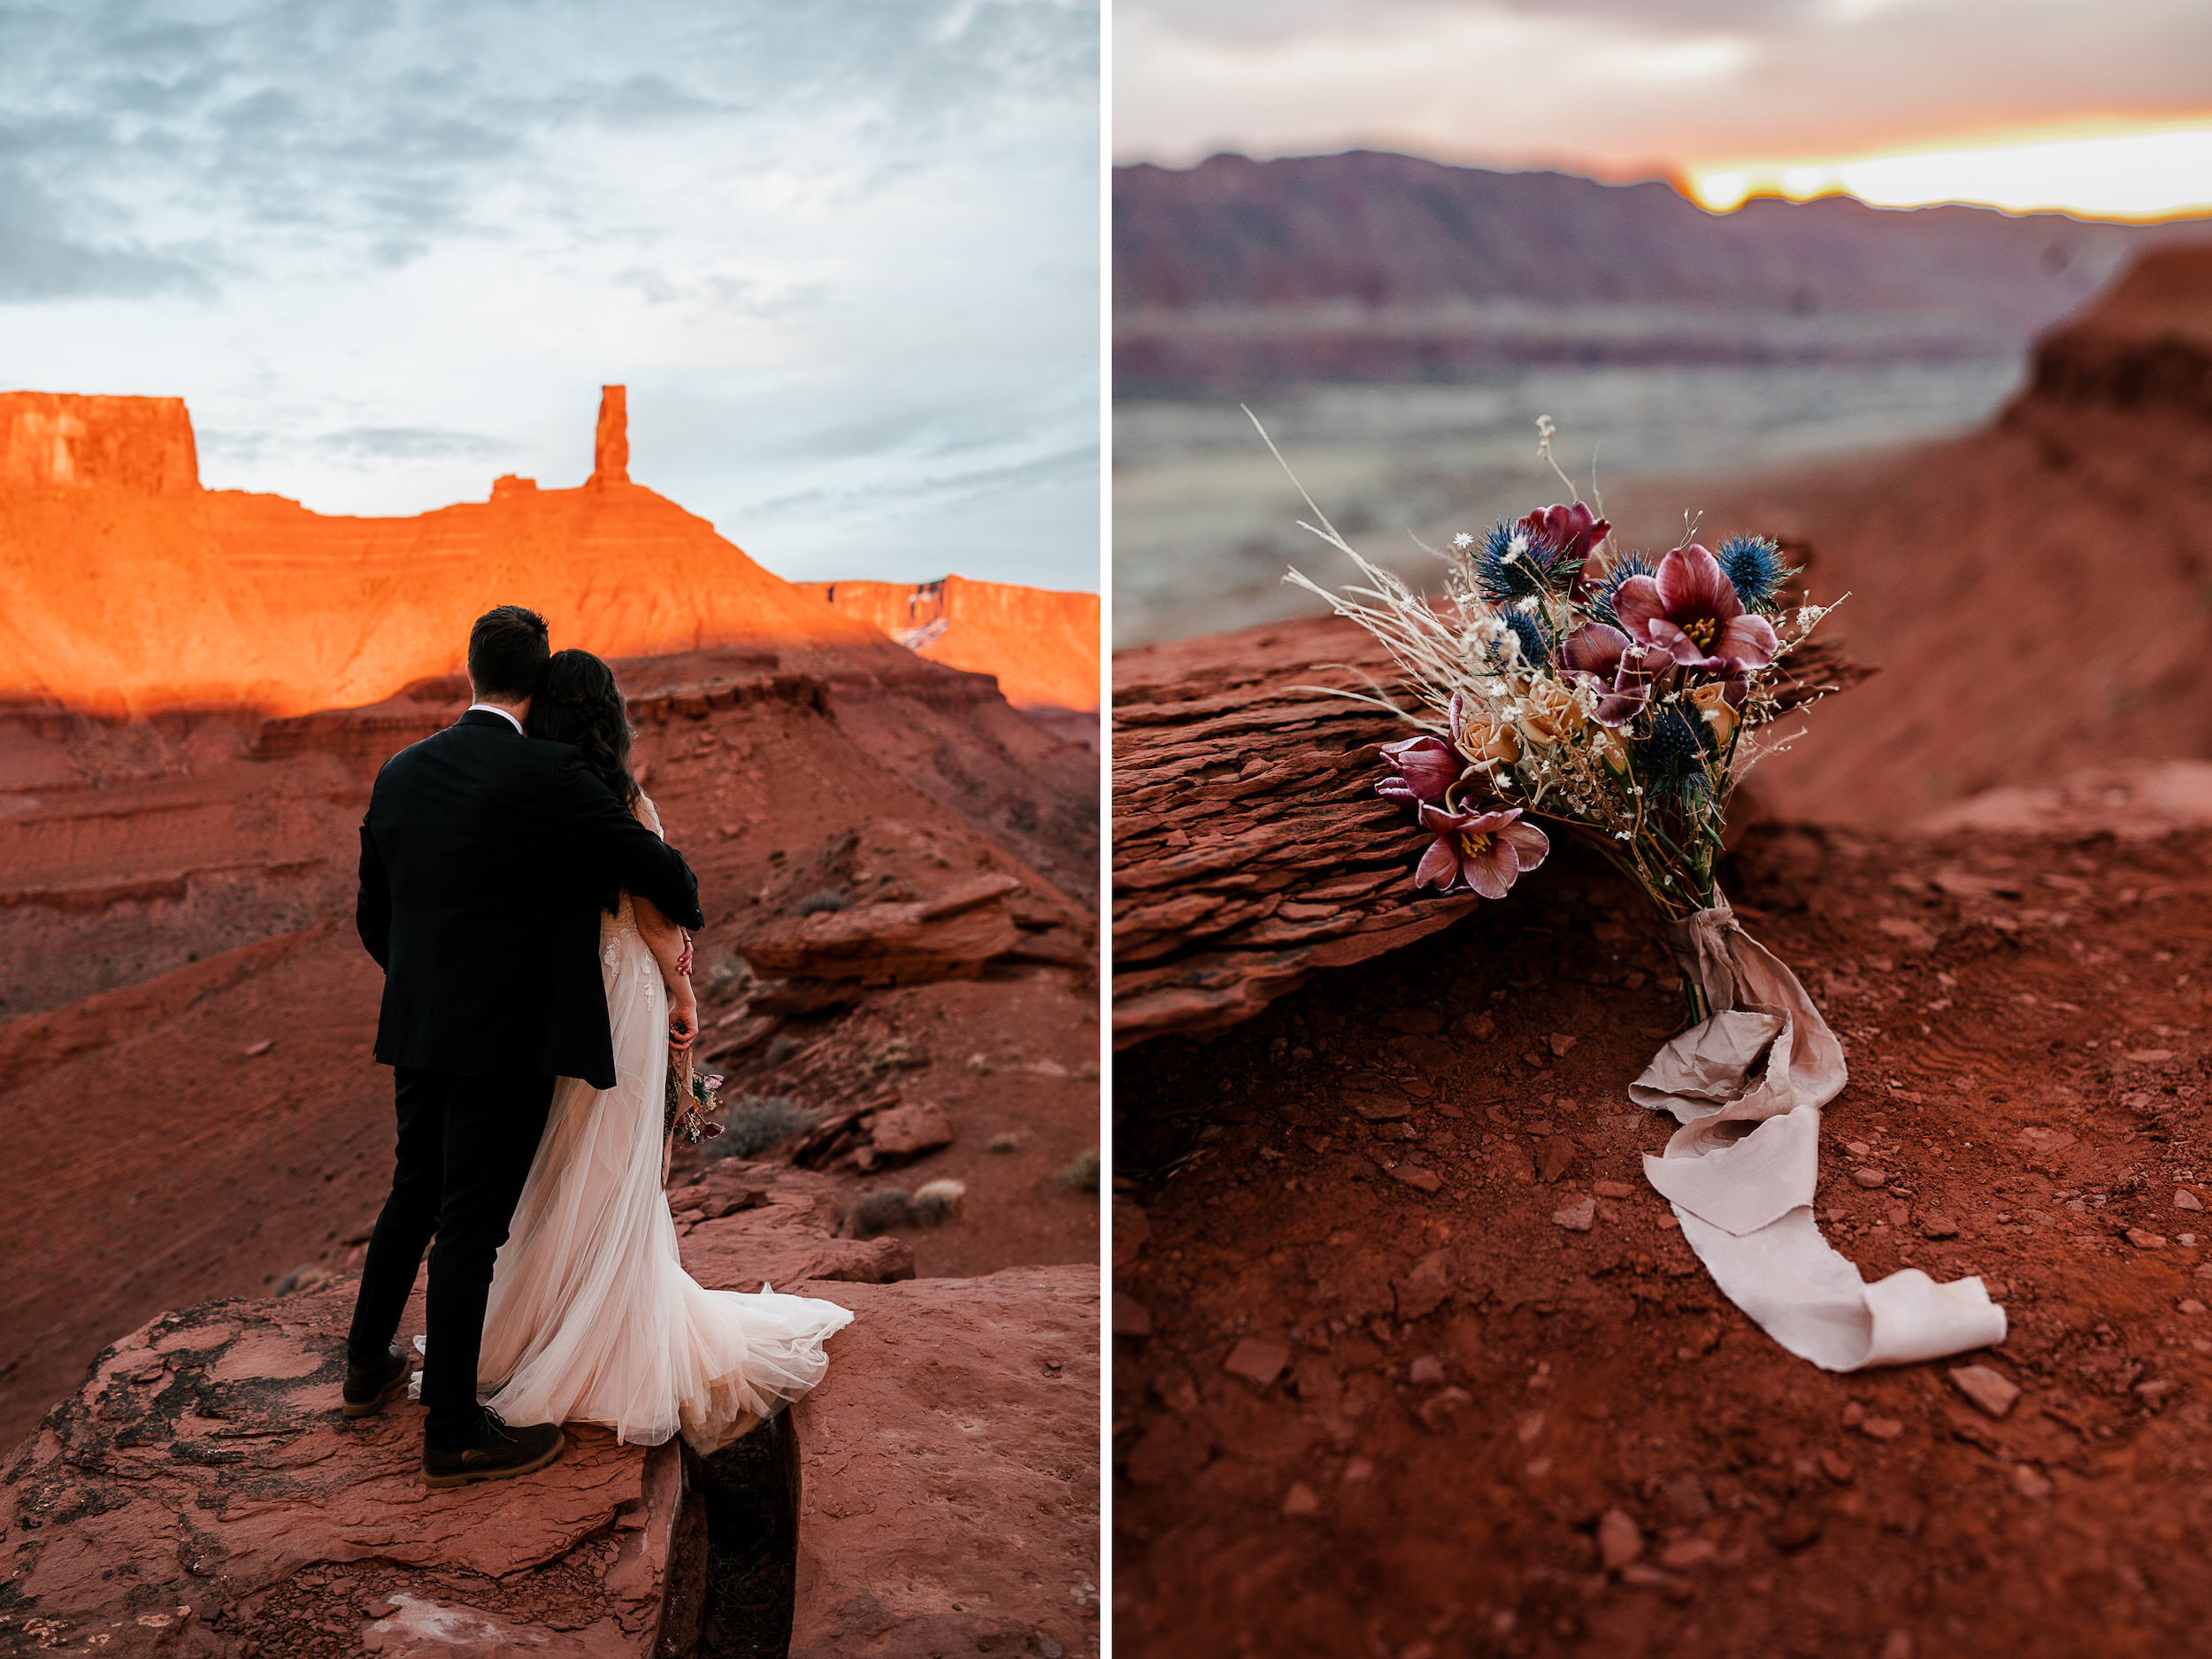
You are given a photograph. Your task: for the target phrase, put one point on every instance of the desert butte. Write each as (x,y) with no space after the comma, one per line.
(174,596)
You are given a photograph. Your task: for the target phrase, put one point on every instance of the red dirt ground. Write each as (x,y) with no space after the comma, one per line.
(1468,1390)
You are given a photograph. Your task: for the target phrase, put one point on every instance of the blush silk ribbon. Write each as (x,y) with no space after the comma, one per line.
(1747,1087)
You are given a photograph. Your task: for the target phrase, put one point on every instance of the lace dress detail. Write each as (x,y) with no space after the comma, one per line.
(592,1317)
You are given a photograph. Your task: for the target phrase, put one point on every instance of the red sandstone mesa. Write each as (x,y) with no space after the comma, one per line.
(1042,645)
(174,596)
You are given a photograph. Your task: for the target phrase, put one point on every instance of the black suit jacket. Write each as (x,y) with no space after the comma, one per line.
(486,860)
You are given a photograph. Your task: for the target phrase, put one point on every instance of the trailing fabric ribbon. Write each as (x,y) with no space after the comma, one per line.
(1747,1087)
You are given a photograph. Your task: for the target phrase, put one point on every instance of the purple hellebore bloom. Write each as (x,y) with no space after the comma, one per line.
(1482,851)
(1690,610)
(1425,768)
(1574,530)
(1619,668)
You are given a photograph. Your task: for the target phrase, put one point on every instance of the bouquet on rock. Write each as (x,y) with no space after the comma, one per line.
(1620,697)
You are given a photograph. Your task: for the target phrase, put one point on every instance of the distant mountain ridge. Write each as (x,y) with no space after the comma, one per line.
(1375,266)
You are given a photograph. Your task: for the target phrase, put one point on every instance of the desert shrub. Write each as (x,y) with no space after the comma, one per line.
(1082,1175)
(756,1121)
(313,1276)
(880,1212)
(815,903)
(781,1047)
(726,979)
(939,1202)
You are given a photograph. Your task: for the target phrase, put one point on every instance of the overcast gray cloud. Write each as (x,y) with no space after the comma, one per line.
(1625,88)
(844,255)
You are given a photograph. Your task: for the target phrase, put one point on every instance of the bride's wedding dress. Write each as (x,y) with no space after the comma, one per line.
(592,1317)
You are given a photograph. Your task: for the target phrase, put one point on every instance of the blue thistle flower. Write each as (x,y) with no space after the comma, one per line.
(1674,755)
(1602,600)
(1541,567)
(1536,643)
(1754,567)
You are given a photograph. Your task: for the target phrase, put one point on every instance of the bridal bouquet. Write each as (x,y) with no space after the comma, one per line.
(690,1098)
(1620,698)
(1616,696)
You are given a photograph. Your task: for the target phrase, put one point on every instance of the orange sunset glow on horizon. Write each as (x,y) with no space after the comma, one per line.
(2110,172)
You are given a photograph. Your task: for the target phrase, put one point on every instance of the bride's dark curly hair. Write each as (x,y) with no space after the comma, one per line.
(578,701)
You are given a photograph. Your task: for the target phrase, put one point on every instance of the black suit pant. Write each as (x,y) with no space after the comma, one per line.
(466,1144)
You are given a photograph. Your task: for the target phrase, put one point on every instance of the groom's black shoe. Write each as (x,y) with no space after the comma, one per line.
(493,1451)
(368,1389)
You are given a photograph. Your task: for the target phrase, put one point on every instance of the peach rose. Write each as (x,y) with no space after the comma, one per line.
(1549,713)
(1482,739)
(1711,703)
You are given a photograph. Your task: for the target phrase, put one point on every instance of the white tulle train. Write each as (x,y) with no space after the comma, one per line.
(592,1317)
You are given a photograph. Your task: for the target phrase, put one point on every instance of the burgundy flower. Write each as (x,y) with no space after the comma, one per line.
(1574,530)
(1426,766)
(1483,851)
(1617,667)
(1690,610)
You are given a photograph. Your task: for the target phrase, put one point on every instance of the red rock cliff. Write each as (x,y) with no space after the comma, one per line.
(125,589)
(58,440)
(1042,645)
(2147,344)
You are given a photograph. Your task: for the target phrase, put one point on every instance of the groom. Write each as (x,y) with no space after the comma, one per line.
(485,857)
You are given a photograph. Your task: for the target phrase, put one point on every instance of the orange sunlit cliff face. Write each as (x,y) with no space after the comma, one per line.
(1042,645)
(129,589)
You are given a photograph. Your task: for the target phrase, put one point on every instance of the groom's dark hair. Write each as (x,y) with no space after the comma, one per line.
(507,651)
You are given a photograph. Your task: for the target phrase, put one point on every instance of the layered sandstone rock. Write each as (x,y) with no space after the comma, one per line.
(1250,849)
(950,1498)
(202,1490)
(171,596)
(1043,645)
(949,936)
(785,1238)
(60,441)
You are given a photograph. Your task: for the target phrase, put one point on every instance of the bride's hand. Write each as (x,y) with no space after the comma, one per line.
(683,963)
(683,1019)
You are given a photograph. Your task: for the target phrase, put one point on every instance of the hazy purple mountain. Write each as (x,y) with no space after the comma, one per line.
(1370,266)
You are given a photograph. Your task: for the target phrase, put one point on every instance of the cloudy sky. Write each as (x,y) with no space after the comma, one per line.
(844,253)
(1629,88)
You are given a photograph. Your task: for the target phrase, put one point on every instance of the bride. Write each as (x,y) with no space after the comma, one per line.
(592,1317)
